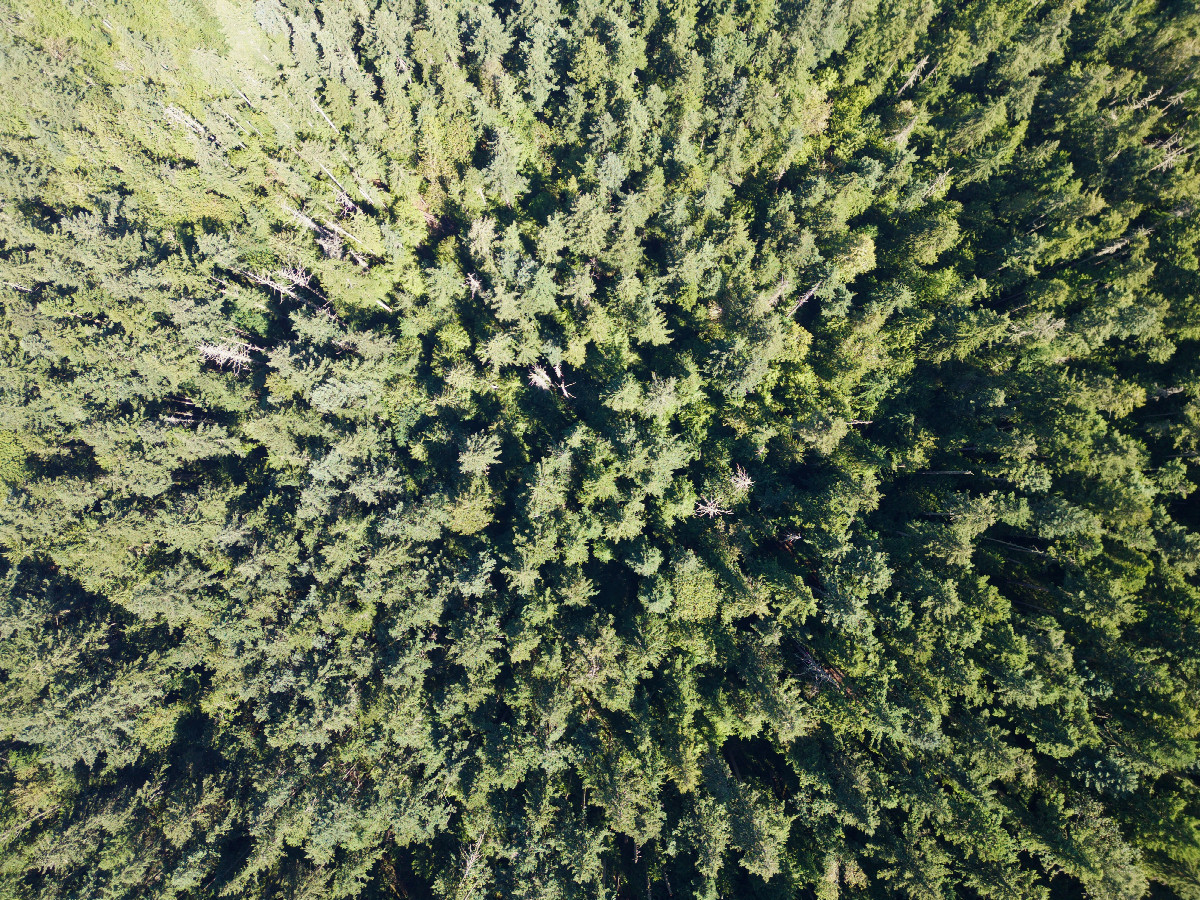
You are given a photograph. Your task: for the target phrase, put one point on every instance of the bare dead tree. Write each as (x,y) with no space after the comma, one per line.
(300,217)
(784,286)
(235,357)
(808,295)
(330,244)
(177,116)
(901,136)
(822,677)
(741,480)
(914,75)
(470,860)
(710,508)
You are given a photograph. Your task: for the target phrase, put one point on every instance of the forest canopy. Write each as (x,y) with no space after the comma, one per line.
(575,449)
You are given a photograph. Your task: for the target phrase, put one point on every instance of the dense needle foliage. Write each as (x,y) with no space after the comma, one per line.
(592,448)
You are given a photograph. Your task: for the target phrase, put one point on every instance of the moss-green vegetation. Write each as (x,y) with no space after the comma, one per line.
(545,449)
